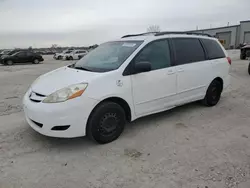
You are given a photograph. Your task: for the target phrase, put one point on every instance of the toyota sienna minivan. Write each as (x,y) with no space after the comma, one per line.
(126,79)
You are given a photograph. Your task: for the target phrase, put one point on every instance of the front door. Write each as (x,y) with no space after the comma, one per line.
(21,57)
(154,91)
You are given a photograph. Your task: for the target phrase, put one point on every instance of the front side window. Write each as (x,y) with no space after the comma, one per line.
(213,49)
(188,50)
(20,54)
(108,56)
(157,53)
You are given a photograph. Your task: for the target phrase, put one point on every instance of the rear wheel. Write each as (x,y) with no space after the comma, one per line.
(70,58)
(213,93)
(59,57)
(9,62)
(36,61)
(242,56)
(106,122)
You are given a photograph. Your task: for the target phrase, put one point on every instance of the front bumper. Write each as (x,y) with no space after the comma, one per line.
(73,113)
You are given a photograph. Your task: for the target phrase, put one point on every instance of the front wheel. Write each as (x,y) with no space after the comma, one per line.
(106,122)
(36,61)
(213,93)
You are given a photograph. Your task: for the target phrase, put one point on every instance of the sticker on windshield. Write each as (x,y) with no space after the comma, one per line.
(126,44)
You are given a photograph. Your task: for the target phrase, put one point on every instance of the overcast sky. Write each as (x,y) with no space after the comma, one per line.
(41,23)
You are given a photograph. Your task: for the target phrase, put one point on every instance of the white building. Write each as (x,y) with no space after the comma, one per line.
(230,36)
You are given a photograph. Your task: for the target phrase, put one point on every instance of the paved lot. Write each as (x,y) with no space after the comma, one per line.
(188,147)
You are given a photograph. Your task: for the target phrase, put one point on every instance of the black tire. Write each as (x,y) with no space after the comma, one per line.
(71,58)
(59,57)
(249,68)
(242,56)
(36,61)
(106,123)
(9,62)
(213,93)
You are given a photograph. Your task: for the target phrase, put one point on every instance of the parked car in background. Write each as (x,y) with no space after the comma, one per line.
(243,51)
(21,57)
(75,54)
(124,80)
(58,56)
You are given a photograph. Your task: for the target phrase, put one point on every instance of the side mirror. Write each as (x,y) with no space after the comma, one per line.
(143,66)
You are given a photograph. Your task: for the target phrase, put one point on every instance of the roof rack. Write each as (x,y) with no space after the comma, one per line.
(167,33)
(181,32)
(141,34)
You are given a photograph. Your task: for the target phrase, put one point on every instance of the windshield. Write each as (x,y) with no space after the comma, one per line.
(108,56)
(12,52)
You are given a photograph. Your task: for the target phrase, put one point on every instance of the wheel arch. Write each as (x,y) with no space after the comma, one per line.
(119,101)
(221,81)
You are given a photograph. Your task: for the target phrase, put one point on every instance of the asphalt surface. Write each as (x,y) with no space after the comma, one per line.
(191,146)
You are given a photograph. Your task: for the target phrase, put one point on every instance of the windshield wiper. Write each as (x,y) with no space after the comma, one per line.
(82,68)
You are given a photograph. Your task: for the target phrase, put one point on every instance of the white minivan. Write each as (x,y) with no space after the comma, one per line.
(125,79)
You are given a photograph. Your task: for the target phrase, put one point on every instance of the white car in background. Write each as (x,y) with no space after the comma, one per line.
(58,56)
(75,55)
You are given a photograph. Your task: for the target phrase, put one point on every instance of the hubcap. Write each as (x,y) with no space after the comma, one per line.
(214,93)
(108,124)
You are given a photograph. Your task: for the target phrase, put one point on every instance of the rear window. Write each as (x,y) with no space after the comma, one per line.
(188,50)
(214,50)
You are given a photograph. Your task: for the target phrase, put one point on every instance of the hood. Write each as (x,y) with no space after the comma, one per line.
(60,78)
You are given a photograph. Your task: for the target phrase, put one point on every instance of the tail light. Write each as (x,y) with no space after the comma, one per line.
(229,60)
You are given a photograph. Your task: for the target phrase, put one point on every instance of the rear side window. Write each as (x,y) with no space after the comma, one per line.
(188,50)
(157,53)
(214,50)
(30,54)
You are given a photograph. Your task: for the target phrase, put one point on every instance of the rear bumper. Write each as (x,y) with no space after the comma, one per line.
(226,81)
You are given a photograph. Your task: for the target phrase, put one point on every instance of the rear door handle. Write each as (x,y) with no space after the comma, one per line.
(171,71)
(180,70)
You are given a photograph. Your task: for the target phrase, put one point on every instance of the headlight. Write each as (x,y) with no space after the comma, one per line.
(66,93)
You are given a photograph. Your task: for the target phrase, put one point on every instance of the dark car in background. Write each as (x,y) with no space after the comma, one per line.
(243,51)
(21,57)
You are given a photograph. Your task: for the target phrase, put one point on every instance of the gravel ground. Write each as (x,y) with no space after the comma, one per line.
(188,147)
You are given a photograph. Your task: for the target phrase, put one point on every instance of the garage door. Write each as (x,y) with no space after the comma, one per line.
(247,37)
(225,39)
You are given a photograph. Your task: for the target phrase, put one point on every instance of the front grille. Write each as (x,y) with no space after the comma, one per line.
(33,100)
(40,95)
(38,124)
(60,128)
(36,97)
